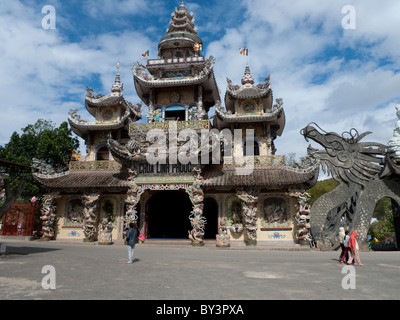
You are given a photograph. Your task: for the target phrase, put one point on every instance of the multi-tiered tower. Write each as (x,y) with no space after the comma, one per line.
(179,85)
(250,106)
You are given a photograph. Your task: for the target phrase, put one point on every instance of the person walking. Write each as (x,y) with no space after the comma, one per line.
(354,249)
(131,239)
(346,241)
(341,238)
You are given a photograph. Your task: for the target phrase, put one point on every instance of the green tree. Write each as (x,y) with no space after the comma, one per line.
(320,188)
(44,141)
(383,209)
(383,229)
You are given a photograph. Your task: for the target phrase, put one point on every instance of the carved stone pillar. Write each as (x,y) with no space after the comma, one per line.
(105,232)
(90,203)
(48,216)
(223,238)
(249,199)
(150,115)
(133,197)
(302,217)
(196,217)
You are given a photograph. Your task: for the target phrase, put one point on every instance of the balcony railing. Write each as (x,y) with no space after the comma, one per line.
(272,160)
(94,165)
(158,62)
(170,125)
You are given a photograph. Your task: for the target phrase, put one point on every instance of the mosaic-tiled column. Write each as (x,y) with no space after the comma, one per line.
(302,217)
(196,217)
(223,238)
(249,200)
(133,197)
(48,216)
(105,232)
(90,203)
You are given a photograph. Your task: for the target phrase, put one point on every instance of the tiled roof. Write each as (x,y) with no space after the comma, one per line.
(85,179)
(261,175)
(267,176)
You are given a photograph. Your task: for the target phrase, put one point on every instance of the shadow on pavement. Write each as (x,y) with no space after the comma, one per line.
(27,250)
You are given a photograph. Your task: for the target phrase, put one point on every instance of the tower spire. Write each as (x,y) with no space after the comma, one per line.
(247,78)
(117,87)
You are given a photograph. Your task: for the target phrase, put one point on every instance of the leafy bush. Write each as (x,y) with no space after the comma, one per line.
(383,230)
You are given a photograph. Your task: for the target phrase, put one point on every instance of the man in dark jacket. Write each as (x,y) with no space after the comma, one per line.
(131,237)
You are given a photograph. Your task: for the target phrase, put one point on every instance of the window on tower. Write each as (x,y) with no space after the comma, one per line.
(175,113)
(103,154)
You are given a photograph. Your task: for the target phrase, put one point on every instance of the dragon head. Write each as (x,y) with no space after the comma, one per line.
(344,156)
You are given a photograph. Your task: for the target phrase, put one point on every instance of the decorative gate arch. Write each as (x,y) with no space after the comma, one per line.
(365,171)
(191,185)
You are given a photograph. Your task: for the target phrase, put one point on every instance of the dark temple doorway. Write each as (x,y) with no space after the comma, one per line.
(210,212)
(168,215)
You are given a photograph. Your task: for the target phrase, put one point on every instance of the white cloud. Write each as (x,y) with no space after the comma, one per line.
(325,74)
(43,75)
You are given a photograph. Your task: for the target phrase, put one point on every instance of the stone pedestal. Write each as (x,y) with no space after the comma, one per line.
(199,244)
(250,242)
(106,243)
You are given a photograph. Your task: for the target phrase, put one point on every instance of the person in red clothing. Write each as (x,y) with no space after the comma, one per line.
(354,249)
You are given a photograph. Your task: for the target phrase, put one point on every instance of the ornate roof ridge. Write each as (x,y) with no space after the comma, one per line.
(261,175)
(232,117)
(101,100)
(115,96)
(85,179)
(76,121)
(248,89)
(51,175)
(252,92)
(145,79)
(188,26)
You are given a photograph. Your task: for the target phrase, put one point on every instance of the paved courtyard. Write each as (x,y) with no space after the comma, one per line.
(182,272)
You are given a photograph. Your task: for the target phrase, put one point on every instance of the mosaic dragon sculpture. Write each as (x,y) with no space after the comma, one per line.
(105,231)
(356,166)
(249,201)
(90,202)
(133,197)
(138,148)
(197,220)
(48,216)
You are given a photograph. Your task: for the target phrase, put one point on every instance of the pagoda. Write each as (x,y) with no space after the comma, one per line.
(180,84)
(235,190)
(87,196)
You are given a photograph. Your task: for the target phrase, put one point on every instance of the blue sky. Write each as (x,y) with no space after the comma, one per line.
(324,73)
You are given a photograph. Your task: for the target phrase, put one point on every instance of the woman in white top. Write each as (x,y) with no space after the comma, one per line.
(346,240)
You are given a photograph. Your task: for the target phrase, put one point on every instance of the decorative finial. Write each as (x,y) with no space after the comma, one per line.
(182,6)
(117,87)
(247,78)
